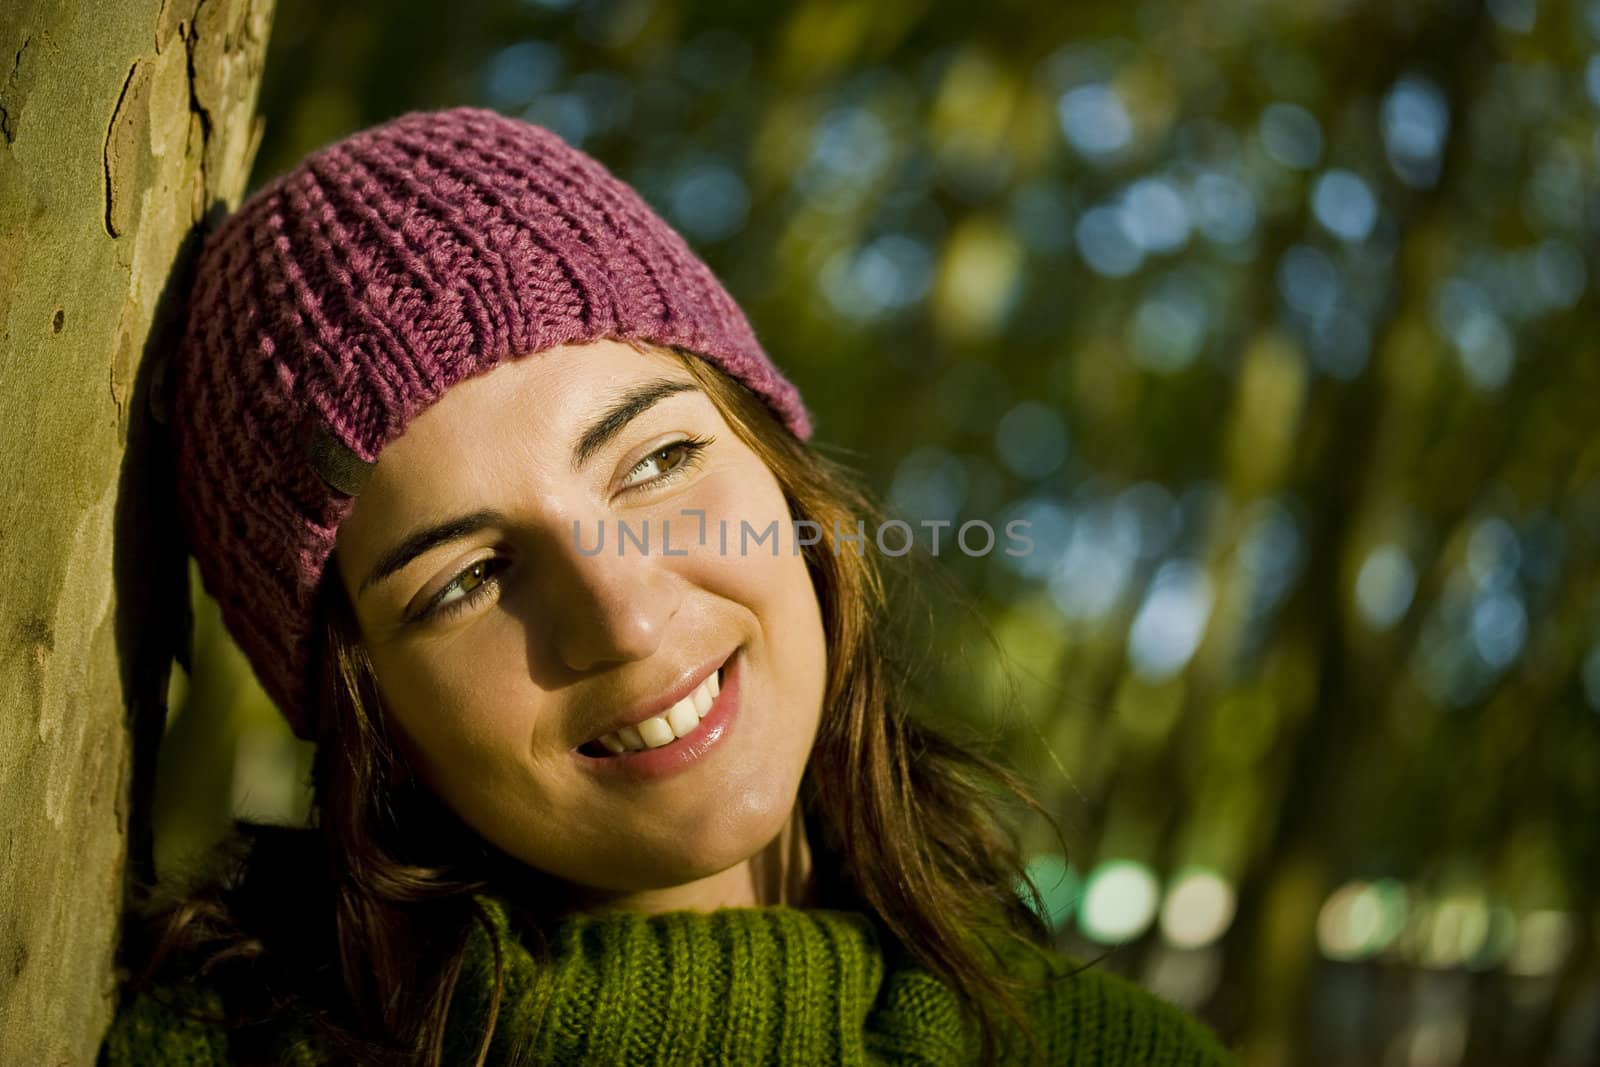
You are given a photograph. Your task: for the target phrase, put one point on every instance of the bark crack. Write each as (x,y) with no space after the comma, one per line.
(111,133)
(191,40)
(8,123)
(161,14)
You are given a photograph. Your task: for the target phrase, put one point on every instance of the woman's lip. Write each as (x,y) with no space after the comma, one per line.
(653,763)
(685,685)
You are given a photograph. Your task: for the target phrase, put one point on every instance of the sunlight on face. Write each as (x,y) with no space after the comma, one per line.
(502,647)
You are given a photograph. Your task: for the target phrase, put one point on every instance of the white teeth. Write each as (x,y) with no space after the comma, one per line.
(677,721)
(656,732)
(683,718)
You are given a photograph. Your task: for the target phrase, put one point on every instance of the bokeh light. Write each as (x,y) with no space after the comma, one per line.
(1119,901)
(1385,585)
(1197,910)
(1360,919)
(1168,627)
(1094,120)
(1058,884)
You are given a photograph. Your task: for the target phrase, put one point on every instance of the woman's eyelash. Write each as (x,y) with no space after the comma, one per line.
(692,448)
(486,583)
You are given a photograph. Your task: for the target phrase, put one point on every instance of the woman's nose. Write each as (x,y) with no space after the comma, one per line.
(603,607)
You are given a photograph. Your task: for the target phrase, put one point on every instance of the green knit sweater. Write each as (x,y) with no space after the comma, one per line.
(735,986)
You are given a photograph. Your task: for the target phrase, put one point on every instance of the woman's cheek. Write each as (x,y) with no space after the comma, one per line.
(746,523)
(442,695)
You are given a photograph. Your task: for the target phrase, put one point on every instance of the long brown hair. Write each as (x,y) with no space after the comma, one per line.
(903,823)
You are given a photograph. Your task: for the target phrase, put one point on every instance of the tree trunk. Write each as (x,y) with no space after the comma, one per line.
(122,125)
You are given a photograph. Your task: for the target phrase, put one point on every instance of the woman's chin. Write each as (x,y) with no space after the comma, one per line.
(719,864)
(681,869)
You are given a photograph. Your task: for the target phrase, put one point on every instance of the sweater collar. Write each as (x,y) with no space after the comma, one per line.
(775,983)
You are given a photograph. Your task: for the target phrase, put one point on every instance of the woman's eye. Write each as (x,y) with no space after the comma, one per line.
(465,588)
(665,461)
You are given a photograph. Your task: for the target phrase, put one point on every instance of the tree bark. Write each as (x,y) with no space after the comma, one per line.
(122,127)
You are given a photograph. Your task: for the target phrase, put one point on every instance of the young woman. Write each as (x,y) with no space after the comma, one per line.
(615,761)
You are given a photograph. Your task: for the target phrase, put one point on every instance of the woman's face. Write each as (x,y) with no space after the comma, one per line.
(504,644)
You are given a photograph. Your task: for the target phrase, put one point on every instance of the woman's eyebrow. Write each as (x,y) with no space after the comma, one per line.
(631,405)
(426,540)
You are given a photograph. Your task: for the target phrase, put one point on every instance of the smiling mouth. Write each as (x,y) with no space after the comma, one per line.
(677,722)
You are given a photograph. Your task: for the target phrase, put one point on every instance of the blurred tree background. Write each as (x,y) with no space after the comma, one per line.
(1269,317)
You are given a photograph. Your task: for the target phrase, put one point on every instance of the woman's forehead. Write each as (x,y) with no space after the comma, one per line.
(525,414)
(543,397)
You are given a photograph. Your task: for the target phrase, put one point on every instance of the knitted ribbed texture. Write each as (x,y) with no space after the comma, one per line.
(771,985)
(344,297)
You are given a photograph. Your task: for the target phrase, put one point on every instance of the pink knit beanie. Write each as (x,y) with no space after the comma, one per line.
(345,297)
